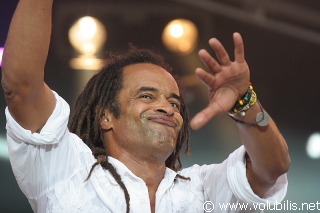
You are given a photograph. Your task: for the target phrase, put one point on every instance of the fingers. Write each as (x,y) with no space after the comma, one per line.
(220,51)
(222,54)
(238,48)
(207,78)
(209,61)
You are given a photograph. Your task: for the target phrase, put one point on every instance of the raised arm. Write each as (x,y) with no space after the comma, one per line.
(227,81)
(29,99)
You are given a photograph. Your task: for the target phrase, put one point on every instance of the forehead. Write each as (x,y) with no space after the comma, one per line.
(150,75)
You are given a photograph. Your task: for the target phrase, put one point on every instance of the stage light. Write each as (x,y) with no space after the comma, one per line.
(1,53)
(86,62)
(313,146)
(87,35)
(180,36)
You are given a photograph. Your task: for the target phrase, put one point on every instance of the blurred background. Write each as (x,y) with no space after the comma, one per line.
(282,44)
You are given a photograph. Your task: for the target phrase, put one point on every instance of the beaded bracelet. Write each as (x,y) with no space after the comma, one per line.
(243,104)
(262,118)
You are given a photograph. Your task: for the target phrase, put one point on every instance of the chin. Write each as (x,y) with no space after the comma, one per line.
(165,146)
(162,139)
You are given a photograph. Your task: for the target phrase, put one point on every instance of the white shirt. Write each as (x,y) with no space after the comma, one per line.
(51,166)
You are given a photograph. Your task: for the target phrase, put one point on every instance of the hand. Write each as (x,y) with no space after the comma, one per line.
(227,80)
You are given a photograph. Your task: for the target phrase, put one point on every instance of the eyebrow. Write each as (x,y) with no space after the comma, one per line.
(152,89)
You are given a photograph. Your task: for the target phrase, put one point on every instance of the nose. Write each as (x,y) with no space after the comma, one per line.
(165,107)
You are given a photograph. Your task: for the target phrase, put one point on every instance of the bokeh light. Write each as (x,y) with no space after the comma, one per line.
(180,36)
(313,146)
(87,35)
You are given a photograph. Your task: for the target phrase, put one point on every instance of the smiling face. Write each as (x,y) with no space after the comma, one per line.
(150,117)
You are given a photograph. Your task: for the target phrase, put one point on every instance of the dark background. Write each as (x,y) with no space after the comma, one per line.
(282,43)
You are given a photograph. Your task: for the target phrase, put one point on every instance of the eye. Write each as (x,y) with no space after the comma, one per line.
(146,96)
(175,105)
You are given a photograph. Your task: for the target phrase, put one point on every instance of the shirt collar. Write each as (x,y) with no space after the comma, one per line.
(124,172)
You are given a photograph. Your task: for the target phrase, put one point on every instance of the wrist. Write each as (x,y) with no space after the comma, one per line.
(255,116)
(248,110)
(244,103)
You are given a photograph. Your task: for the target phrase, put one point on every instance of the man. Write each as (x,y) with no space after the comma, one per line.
(130,123)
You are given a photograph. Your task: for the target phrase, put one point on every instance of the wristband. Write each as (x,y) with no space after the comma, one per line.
(262,118)
(243,104)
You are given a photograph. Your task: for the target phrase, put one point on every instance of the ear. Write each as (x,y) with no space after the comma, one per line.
(106,121)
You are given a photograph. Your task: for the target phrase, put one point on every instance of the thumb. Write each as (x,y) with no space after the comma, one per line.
(202,118)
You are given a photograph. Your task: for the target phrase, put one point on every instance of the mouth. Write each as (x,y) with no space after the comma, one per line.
(164,120)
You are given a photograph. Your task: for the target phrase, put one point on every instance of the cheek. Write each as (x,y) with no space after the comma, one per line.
(136,108)
(180,120)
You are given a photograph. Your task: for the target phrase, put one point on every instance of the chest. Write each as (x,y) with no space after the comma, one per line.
(178,197)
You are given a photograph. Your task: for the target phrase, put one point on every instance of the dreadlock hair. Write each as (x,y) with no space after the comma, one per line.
(100,93)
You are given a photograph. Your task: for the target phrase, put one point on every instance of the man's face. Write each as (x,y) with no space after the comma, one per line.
(150,117)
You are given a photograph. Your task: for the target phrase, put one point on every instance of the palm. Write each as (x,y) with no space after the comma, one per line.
(226,80)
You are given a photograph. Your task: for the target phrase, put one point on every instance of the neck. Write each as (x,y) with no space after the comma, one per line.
(149,167)
(152,173)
